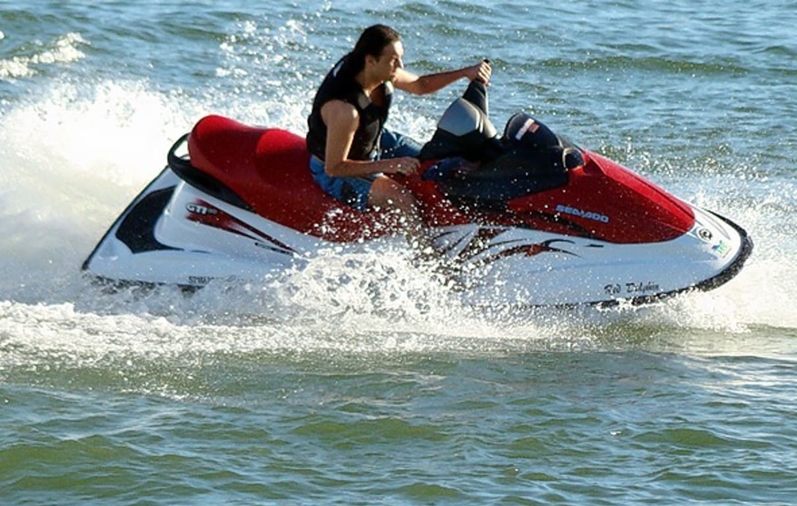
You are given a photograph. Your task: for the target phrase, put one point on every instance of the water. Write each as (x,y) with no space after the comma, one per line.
(336,385)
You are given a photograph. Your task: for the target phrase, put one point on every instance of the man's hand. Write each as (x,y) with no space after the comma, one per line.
(480,72)
(403,165)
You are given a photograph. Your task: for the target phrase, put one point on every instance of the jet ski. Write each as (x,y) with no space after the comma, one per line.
(522,216)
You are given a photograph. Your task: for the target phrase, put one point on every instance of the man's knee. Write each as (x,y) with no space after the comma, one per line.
(386,192)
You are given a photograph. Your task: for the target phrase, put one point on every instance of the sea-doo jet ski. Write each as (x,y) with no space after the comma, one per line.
(525,215)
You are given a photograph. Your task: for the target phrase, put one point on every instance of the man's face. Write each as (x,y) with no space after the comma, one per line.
(390,60)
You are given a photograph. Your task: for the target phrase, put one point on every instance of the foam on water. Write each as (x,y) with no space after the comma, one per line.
(72,157)
(64,49)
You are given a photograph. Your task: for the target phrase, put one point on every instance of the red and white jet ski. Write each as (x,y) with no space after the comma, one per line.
(539,222)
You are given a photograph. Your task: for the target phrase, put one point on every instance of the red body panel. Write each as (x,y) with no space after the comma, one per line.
(269,169)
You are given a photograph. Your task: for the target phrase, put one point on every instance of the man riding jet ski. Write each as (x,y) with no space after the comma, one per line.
(526,216)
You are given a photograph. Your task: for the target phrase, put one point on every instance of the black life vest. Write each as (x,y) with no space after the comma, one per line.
(339,84)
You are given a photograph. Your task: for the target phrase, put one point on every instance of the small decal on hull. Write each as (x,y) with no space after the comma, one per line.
(722,249)
(200,209)
(581,213)
(641,288)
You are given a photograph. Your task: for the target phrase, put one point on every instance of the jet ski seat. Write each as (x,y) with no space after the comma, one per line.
(265,171)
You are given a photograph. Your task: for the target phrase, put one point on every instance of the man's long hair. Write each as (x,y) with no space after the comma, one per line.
(372,42)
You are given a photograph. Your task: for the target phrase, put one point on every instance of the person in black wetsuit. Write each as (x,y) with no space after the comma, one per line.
(351,150)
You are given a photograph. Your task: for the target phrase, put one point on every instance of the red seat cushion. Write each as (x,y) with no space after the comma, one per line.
(269,169)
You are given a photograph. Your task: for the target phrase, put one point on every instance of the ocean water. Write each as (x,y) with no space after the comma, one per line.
(355,380)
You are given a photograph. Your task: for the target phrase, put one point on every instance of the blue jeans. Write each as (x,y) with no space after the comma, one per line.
(354,190)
